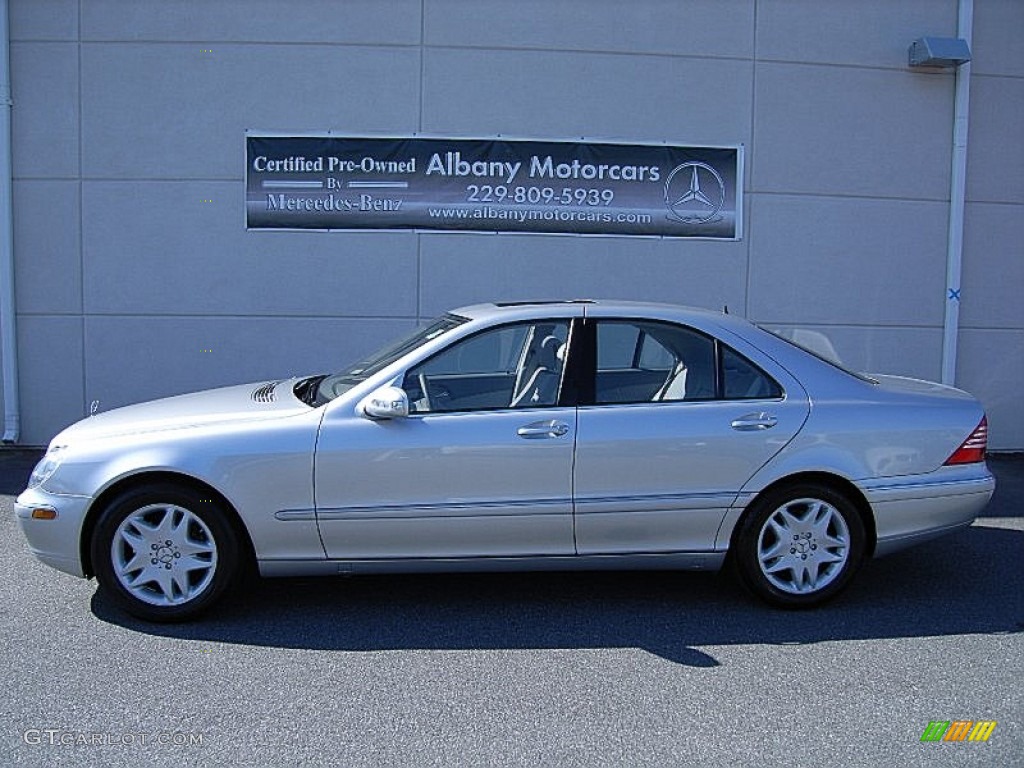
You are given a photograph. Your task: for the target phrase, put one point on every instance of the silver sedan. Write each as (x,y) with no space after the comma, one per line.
(549,435)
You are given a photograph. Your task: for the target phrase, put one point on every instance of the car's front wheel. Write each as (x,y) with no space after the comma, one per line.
(800,545)
(164,552)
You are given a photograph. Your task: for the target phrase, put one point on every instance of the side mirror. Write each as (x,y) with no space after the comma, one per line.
(385,403)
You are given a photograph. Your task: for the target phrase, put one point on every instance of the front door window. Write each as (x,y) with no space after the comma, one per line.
(514,366)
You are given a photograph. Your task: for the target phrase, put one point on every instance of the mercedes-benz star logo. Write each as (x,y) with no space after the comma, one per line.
(685,195)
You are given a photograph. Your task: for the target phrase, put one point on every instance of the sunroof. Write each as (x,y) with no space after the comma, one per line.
(541,303)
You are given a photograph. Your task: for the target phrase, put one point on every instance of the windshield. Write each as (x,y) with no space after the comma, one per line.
(339,383)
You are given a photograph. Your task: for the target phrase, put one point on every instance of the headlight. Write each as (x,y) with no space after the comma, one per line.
(46,467)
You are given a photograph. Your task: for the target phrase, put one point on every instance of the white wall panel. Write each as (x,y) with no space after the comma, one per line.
(993,267)
(48,267)
(847,261)
(997,48)
(565,95)
(694,28)
(44,19)
(995,149)
(139,358)
(173,111)
(991,367)
(160,248)
(50,375)
(863,33)
(834,130)
(458,270)
(44,117)
(308,21)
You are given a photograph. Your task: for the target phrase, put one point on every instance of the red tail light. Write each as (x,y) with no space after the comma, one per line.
(973,448)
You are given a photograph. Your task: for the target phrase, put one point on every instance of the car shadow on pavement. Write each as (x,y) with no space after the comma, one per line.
(15,467)
(970,582)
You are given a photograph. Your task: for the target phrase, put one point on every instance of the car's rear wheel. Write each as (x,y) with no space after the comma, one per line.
(800,545)
(164,552)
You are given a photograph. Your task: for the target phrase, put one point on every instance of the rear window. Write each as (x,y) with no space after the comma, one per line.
(832,361)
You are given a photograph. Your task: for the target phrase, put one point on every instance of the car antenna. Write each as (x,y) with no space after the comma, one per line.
(725,309)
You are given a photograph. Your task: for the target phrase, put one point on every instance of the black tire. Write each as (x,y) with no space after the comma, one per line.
(799,546)
(164,552)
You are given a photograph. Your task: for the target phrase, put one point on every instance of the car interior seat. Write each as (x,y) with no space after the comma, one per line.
(541,383)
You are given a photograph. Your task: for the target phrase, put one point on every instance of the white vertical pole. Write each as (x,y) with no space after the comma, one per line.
(957,194)
(8,331)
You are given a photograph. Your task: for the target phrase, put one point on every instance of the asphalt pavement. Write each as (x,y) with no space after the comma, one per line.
(608,669)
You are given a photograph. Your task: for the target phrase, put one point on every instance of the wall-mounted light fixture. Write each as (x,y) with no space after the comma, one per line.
(939,52)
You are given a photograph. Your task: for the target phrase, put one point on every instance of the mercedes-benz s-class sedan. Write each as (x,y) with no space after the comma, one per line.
(549,435)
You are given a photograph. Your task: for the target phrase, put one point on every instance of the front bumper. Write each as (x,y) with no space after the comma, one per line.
(909,510)
(56,541)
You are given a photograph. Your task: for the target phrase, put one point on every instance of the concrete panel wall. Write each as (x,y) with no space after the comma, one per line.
(175,111)
(45,122)
(136,277)
(859,261)
(180,248)
(852,131)
(47,244)
(991,355)
(644,98)
(376,22)
(520,267)
(866,33)
(699,28)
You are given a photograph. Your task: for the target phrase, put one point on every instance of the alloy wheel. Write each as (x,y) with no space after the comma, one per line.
(803,546)
(164,555)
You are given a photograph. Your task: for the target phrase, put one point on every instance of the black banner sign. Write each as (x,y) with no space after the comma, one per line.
(492,185)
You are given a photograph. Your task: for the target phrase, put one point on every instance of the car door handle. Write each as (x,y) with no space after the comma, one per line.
(543,429)
(754,421)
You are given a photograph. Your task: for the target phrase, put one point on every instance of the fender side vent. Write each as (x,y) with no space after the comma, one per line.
(265,392)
